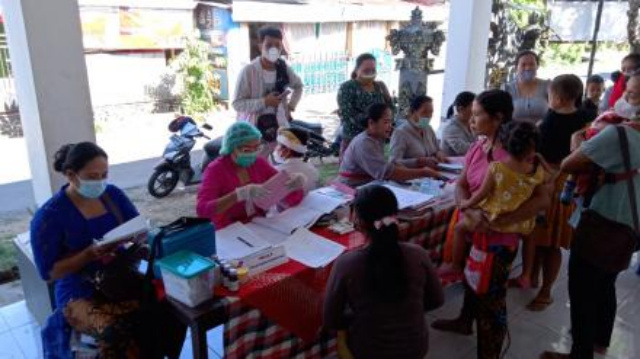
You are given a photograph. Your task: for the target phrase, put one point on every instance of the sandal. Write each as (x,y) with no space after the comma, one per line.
(539,304)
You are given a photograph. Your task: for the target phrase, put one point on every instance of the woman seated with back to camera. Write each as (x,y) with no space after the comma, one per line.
(414,143)
(233,182)
(364,161)
(376,296)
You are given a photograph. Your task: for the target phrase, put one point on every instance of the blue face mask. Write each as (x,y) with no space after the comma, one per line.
(92,189)
(527,75)
(245,160)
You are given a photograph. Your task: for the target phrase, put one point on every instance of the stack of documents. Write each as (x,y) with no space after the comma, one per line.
(241,242)
(126,231)
(408,199)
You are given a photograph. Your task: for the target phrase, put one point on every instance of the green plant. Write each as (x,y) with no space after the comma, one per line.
(7,254)
(197,81)
(521,16)
(565,53)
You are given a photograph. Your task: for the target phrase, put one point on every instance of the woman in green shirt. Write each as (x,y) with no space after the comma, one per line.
(356,95)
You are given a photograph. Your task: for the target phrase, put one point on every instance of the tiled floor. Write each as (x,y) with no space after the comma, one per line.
(531,333)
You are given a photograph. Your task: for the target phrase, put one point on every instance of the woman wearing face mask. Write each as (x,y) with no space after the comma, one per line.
(457,136)
(414,143)
(63,234)
(364,161)
(528,91)
(233,181)
(356,95)
(263,85)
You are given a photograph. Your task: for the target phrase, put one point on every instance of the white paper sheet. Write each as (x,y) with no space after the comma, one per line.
(130,229)
(237,241)
(324,200)
(288,221)
(311,249)
(270,235)
(407,198)
(277,190)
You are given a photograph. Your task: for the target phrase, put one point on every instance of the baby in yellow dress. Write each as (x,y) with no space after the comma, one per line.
(508,184)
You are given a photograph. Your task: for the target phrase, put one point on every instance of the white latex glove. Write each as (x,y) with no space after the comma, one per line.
(296,182)
(251,192)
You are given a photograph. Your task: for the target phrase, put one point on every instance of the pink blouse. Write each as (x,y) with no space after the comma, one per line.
(221,178)
(477,165)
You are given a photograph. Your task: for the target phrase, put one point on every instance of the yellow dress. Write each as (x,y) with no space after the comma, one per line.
(511,190)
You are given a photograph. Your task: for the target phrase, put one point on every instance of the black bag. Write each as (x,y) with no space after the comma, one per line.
(267,124)
(604,243)
(119,280)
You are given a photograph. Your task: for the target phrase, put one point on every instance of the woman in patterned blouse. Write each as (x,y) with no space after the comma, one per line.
(356,95)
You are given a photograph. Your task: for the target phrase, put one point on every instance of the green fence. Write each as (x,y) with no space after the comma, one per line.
(324,72)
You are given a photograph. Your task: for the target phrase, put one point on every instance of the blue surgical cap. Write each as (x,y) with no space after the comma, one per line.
(238,134)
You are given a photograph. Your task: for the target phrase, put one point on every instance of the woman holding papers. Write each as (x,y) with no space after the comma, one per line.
(63,234)
(414,143)
(386,287)
(234,182)
(492,111)
(364,161)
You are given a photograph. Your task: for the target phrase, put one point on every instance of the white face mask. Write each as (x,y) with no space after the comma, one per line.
(278,158)
(273,54)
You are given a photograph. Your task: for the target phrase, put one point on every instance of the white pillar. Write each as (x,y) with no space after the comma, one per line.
(47,56)
(467,41)
(239,54)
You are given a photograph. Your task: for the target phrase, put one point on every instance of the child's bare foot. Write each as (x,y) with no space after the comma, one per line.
(449,269)
(450,273)
(519,282)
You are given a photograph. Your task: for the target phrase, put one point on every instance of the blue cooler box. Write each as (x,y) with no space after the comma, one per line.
(200,239)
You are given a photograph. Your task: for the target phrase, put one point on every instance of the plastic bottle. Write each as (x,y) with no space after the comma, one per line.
(567,192)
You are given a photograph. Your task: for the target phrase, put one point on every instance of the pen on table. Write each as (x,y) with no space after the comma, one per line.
(245,242)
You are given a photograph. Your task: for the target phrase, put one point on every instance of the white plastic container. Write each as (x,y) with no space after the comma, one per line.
(188,277)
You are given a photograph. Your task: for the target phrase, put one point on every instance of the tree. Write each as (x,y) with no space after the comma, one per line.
(633,27)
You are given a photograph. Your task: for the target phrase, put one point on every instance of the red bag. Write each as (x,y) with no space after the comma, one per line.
(479,265)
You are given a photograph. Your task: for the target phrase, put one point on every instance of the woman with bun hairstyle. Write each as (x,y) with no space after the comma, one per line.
(63,238)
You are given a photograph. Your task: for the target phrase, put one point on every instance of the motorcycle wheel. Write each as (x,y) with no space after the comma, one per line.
(162,182)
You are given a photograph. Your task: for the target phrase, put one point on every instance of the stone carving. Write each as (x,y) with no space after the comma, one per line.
(416,40)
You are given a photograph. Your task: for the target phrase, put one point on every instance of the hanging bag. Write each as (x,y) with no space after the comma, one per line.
(607,244)
(479,266)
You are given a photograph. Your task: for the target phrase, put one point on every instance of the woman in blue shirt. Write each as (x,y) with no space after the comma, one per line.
(62,237)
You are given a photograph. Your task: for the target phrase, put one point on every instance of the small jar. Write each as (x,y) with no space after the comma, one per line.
(234,282)
(243,274)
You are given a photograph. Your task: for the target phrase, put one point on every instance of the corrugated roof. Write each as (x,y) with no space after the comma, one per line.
(313,11)
(154,4)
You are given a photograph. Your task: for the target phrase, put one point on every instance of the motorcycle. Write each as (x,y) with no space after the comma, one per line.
(175,165)
(317,145)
